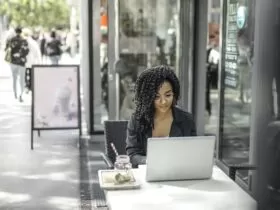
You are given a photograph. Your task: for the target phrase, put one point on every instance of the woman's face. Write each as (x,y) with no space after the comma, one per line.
(164,98)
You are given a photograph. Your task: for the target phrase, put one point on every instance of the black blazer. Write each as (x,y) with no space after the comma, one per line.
(136,142)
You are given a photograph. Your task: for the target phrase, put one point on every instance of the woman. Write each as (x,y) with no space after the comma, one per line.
(156,115)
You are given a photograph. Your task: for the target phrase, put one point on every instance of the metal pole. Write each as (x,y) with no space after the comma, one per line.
(85,59)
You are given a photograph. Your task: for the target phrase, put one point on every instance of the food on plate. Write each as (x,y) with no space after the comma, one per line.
(122,178)
(117,177)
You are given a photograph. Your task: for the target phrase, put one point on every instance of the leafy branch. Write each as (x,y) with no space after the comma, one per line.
(33,13)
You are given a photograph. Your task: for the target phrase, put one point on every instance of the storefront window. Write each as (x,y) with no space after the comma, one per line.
(100,70)
(215,17)
(237,61)
(212,78)
(216,3)
(212,67)
(147,37)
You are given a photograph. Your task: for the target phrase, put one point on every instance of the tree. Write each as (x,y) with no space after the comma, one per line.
(33,13)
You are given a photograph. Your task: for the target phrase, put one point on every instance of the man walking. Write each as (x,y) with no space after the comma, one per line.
(18,49)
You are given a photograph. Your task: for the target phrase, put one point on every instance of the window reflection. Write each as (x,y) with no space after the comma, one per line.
(212,77)
(216,3)
(102,112)
(147,37)
(237,62)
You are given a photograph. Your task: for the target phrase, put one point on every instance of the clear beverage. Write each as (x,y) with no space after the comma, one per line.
(122,162)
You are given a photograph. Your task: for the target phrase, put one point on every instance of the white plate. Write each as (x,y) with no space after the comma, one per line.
(106,180)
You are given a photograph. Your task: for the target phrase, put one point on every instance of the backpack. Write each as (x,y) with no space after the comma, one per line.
(53,48)
(17,50)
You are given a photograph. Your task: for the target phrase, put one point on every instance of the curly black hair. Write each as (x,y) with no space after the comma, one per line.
(146,88)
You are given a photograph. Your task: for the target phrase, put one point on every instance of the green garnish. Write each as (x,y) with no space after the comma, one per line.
(122,178)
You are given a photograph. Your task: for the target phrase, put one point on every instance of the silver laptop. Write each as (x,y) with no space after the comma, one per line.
(180,158)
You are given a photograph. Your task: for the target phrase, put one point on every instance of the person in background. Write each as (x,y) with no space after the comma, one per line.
(34,56)
(68,42)
(18,49)
(156,114)
(128,105)
(212,62)
(35,34)
(53,48)
(42,44)
(213,57)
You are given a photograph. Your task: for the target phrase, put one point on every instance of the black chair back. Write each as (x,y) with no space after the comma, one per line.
(115,132)
(268,186)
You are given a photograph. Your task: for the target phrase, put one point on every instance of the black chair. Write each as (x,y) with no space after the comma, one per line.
(269,172)
(115,132)
(272,131)
(232,168)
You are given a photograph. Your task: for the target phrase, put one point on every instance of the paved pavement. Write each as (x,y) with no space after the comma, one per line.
(47,178)
(4,67)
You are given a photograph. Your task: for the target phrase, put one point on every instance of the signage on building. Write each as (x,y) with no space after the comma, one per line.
(241,17)
(230,46)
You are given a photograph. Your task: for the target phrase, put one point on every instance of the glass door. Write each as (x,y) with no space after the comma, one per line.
(236,81)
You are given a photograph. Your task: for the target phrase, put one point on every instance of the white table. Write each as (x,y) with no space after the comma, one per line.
(217,193)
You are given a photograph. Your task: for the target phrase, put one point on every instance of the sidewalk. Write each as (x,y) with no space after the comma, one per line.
(47,178)
(5,71)
(7,95)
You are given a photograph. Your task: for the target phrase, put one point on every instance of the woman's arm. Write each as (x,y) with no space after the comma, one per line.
(134,148)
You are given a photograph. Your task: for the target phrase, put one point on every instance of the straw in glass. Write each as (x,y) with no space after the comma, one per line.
(114,149)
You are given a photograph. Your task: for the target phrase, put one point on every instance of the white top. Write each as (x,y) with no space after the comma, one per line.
(34,55)
(214,56)
(217,193)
